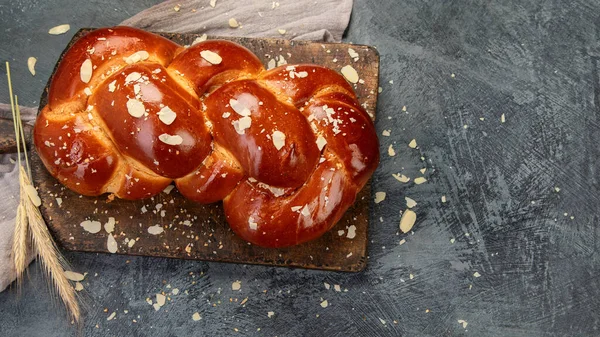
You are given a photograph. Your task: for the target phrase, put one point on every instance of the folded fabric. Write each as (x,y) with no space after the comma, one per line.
(322,20)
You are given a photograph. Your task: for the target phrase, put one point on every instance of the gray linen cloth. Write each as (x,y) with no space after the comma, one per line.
(321,20)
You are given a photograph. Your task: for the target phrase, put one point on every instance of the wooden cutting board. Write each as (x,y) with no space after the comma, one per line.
(195,231)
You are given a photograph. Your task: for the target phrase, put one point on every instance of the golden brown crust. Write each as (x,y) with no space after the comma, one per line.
(129,112)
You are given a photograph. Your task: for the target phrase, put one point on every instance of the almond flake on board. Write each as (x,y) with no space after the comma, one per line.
(413,144)
(213,3)
(111,244)
(109,227)
(155,230)
(350,73)
(237,285)
(91,226)
(199,39)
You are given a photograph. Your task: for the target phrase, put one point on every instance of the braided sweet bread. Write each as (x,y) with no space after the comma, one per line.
(287,150)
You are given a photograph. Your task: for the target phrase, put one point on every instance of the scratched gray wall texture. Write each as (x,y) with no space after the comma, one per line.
(534,61)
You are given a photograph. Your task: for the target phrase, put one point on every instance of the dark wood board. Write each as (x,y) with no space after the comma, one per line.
(195,231)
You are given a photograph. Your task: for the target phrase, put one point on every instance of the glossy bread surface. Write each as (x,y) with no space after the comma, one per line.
(129,112)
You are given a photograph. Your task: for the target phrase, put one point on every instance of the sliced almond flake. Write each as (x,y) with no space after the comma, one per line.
(403,241)
(211,57)
(462,321)
(239,107)
(136,57)
(78,286)
(476,274)
(327,285)
(177,8)
(59,201)
(199,39)
(382,320)
(133,77)
(135,108)
(410,203)
(341,232)
(168,189)
(61,29)
(166,115)
(301,74)
(411,276)
(85,71)
(324,304)
(278,139)
(155,230)
(170,139)
(109,227)
(401,177)
(252,224)
(91,226)
(270,314)
(305,211)
(386,133)
(237,285)
(196,317)
(32,193)
(111,316)
(353,54)
(413,144)
(379,197)
(131,243)
(233,23)
(281,61)
(337,288)
(74,276)
(502,118)
(443,198)
(281,31)
(31,65)
(112,86)
(296,208)
(423,170)
(242,124)
(87,91)
(213,3)
(351,232)
(272,64)
(350,73)
(420,180)
(226,114)
(321,142)
(407,221)
(111,244)
(161,299)
(391,151)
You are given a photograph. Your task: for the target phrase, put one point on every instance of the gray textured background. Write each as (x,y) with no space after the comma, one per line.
(534,61)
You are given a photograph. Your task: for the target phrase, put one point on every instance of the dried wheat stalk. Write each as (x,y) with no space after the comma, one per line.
(30,224)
